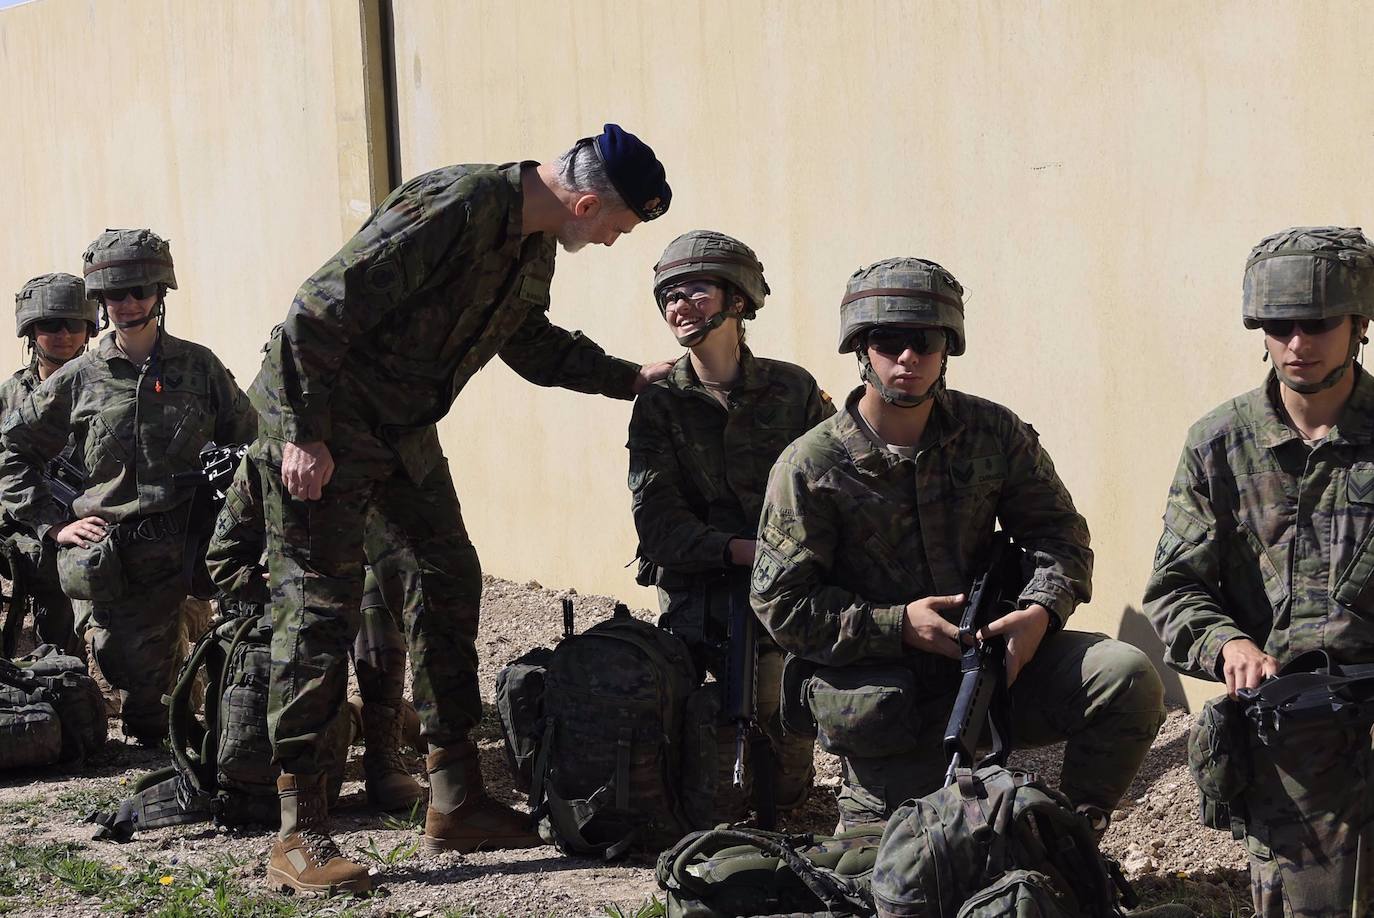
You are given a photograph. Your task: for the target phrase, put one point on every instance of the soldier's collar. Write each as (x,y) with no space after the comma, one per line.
(166,348)
(684,379)
(514,220)
(1356,423)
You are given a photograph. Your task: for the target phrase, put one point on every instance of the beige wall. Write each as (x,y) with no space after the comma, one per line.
(1093,172)
(233,129)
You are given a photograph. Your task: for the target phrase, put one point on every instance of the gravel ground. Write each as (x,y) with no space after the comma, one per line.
(1155,834)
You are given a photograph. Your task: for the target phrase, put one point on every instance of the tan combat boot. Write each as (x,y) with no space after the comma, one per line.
(304,858)
(389,784)
(461,817)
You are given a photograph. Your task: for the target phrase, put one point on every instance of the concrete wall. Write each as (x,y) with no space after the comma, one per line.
(1094,173)
(235,130)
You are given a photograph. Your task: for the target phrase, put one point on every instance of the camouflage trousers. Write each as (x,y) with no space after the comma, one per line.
(54,621)
(1102,696)
(316,551)
(698,616)
(1310,823)
(138,640)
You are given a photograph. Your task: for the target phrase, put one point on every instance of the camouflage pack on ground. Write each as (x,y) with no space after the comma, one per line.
(609,737)
(730,872)
(50,710)
(997,842)
(223,769)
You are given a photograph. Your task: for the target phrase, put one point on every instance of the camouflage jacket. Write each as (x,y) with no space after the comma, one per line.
(13,392)
(134,430)
(850,532)
(389,331)
(698,469)
(234,556)
(1267,538)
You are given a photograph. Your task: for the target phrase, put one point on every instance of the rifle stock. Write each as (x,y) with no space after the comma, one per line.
(740,701)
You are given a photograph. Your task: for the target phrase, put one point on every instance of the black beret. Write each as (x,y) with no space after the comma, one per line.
(635,171)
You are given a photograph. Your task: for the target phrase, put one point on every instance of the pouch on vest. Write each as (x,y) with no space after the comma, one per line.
(734,872)
(520,706)
(94,573)
(30,734)
(864,711)
(1219,750)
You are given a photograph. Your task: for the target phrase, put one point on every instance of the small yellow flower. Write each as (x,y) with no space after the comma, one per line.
(118,868)
(165,881)
(123,782)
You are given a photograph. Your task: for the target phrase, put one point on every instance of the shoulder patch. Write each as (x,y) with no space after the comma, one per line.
(534,290)
(767,570)
(968,473)
(826,399)
(384,276)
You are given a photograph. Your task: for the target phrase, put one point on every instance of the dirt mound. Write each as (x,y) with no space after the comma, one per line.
(1155,834)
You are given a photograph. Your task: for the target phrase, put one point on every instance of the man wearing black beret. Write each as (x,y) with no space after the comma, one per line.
(452,270)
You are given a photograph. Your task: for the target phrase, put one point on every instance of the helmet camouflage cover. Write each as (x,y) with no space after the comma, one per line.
(708,254)
(128,258)
(1309,272)
(53,296)
(910,291)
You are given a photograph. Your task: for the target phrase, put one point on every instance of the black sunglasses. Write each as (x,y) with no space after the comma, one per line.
(1283,328)
(893,342)
(142,291)
(53,326)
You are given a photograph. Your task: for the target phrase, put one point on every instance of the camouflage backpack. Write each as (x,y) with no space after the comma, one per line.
(223,769)
(607,777)
(997,842)
(736,872)
(50,710)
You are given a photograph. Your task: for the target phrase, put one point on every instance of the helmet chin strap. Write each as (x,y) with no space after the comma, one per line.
(698,336)
(155,313)
(41,354)
(1331,378)
(896,397)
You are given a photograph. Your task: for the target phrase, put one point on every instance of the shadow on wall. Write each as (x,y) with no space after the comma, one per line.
(1136,629)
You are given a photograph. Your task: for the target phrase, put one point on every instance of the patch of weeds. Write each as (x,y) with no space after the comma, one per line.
(413,820)
(151,888)
(1218,893)
(650,908)
(401,852)
(84,800)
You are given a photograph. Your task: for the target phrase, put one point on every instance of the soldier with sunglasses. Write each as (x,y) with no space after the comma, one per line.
(701,443)
(55,314)
(874,525)
(1268,553)
(138,407)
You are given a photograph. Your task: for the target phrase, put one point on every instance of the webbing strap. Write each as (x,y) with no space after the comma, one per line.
(622,768)
(831,889)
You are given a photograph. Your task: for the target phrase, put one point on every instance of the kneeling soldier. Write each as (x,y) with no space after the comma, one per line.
(1267,554)
(57,317)
(874,525)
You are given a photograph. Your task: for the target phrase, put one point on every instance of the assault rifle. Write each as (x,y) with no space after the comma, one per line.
(66,481)
(740,701)
(983,697)
(217,467)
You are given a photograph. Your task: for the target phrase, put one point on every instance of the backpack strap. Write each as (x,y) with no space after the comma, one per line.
(568,818)
(17,605)
(165,802)
(838,894)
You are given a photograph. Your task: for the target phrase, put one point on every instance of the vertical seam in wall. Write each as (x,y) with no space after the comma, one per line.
(379,95)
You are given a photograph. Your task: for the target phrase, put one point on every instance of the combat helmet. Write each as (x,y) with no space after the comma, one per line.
(901,291)
(122,258)
(715,256)
(1310,272)
(54,296)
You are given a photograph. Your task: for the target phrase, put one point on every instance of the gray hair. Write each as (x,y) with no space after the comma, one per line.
(581,170)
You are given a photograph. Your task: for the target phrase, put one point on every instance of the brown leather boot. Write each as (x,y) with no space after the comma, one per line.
(389,784)
(304,858)
(461,817)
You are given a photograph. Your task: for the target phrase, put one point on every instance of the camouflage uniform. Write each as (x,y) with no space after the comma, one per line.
(134,429)
(1269,539)
(850,533)
(377,345)
(236,566)
(697,473)
(55,622)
